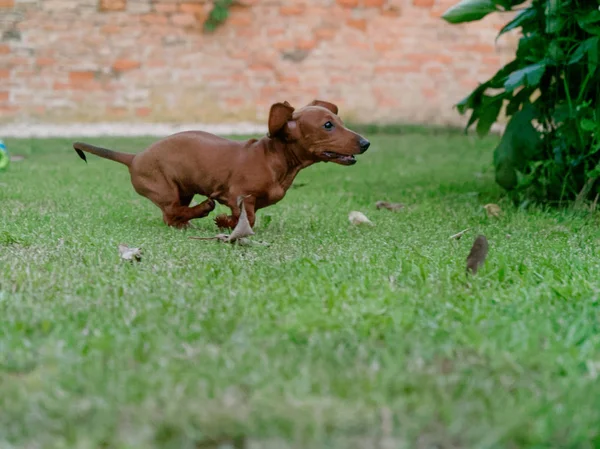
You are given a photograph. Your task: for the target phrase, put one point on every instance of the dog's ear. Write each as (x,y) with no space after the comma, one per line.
(325,104)
(279,116)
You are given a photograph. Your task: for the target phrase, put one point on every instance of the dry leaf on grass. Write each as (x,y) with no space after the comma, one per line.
(477,255)
(358,218)
(130,254)
(239,233)
(458,235)
(394,207)
(243,228)
(492,210)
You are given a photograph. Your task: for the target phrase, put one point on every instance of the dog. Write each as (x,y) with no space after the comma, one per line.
(172,170)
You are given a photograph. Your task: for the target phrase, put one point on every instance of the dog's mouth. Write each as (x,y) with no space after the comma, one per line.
(342,159)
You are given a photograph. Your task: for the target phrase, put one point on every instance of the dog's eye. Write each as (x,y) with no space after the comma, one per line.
(328,125)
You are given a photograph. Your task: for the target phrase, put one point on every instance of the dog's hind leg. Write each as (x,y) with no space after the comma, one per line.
(178,215)
(230,221)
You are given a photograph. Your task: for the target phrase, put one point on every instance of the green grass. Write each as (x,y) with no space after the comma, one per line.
(332,337)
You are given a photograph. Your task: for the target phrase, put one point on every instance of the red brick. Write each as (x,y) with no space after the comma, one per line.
(373,3)
(7,3)
(183,19)
(4,96)
(429,93)
(18,62)
(289,80)
(380,70)
(359,24)
(235,102)
(61,86)
(9,109)
(4,74)
(423,3)
(143,112)
(112,5)
(77,85)
(191,8)
(348,3)
(44,62)
(158,19)
(239,19)
(77,77)
(391,11)
(474,48)
(419,58)
(275,32)
(306,44)
(362,45)
(116,111)
(165,7)
(491,60)
(284,44)
(340,79)
(124,65)
(260,67)
(325,33)
(244,33)
(442,59)
(241,54)
(382,46)
(110,29)
(156,63)
(291,10)
(4,49)
(435,70)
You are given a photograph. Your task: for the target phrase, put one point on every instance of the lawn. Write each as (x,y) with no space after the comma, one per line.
(333,336)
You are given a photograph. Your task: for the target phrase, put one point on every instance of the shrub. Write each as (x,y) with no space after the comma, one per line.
(218,14)
(550,149)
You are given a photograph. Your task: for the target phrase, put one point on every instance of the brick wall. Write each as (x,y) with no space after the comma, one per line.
(149,60)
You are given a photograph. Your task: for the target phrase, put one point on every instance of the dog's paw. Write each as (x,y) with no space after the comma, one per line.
(225,222)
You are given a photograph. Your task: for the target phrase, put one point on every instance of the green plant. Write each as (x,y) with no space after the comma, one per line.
(218,14)
(550,150)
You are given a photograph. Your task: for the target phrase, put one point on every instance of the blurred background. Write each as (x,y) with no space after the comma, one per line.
(171,61)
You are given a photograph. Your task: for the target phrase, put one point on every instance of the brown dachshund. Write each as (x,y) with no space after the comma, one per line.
(171,171)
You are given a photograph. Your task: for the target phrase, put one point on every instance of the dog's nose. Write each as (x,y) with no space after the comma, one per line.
(364,145)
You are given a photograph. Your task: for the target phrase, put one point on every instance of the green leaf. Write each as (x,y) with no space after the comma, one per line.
(523,17)
(519,143)
(497,81)
(555,53)
(583,49)
(531,47)
(588,124)
(517,100)
(528,76)
(562,112)
(488,114)
(469,11)
(593,57)
(590,21)
(554,21)
(473,100)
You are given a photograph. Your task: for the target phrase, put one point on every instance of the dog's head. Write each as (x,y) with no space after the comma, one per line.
(318,130)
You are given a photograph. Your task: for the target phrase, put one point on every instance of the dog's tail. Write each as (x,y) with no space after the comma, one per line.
(123,158)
